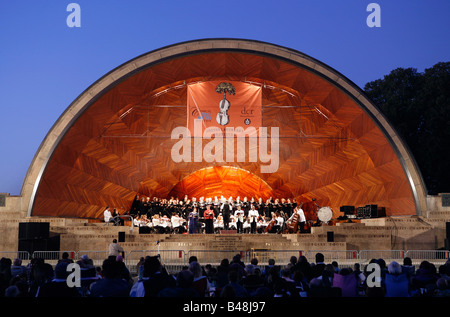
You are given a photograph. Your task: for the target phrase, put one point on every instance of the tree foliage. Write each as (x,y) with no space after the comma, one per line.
(418,107)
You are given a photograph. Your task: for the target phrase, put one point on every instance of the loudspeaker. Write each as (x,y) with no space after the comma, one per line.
(372,211)
(121,236)
(34,230)
(447,228)
(144,230)
(330,236)
(31,245)
(348,210)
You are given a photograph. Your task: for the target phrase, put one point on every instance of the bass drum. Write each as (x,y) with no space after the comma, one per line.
(325,214)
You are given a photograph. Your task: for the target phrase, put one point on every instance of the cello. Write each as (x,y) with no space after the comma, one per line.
(270,225)
(292,224)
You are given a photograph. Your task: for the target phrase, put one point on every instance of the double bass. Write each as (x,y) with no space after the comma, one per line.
(292,224)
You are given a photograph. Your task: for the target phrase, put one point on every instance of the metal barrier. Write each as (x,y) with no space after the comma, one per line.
(23,255)
(437,257)
(214,257)
(365,256)
(281,257)
(173,260)
(342,257)
(97,257)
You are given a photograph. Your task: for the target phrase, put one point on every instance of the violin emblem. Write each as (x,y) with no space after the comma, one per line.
(222,117)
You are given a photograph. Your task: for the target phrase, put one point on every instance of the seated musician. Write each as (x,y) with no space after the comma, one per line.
(278,222)
(232,224)
(246,227)
(261,224)
(177,223)
(156,222)
(218,223)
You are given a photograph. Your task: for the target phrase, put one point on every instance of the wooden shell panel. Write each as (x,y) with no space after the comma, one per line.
(330,148)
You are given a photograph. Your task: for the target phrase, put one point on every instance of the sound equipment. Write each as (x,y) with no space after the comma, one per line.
(121,236)
(34,230)
(370,211)
(32,245)
(447,230)
(348,210)
(330,236)
(144,230)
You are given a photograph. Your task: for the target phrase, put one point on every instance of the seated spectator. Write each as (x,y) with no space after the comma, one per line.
(347,282)
(154,279)
(253,279)
(316,288)
(201,283)
(111,285)
(408,268)
(239,290)
(17,268)
(58,287)
(423,282)
(183,288)
(396,282)
(442,288)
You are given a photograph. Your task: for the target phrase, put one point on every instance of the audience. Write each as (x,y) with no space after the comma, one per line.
(298,278)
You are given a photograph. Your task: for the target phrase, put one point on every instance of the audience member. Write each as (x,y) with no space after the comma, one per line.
(347,282)
(200,283)
(396,283)
(58,287)
(112,284)
(184,287)
(294,279)
(154,279)
(239,290)
(17,268)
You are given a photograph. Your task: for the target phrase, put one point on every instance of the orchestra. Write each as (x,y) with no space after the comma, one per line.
(211,215)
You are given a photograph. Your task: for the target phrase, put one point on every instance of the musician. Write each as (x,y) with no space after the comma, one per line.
(177,223)
(201,207)
(279,222)
(218,223)
(135,206)
(253,215)
(156,222)
(216,206)
(226,213)
(232,224)
(261,225)
(193,221)
(301,218)
(268,209)
(298,211)
(239,215)
(209,219)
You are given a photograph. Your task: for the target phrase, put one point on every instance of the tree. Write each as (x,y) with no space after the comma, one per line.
(418,106)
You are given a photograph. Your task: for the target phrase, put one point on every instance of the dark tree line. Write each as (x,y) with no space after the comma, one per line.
(418,106)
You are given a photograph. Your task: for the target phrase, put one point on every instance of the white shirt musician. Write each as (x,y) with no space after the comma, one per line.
(301,217)
(107,215)
(253,215)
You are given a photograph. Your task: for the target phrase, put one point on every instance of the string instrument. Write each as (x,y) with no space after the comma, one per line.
(270,225)
(292,224)
(222,117)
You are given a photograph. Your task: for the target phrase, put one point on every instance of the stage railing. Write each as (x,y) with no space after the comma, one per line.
(175,260)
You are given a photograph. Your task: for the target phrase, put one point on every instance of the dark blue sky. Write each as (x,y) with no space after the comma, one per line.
(45,65)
